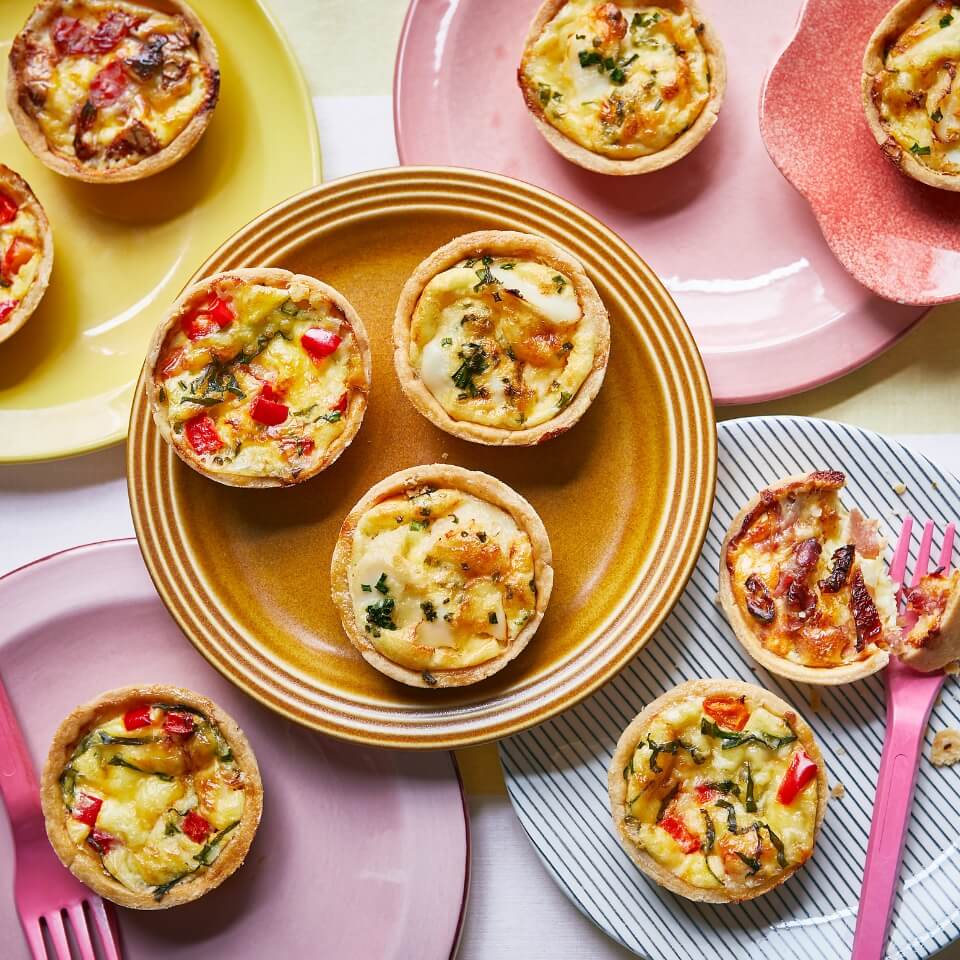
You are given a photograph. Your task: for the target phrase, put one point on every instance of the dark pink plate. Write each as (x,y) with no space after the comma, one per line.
(741,253)
(898,237)
(362,853)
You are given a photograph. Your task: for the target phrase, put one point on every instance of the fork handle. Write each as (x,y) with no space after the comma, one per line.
(891,814)
(18,783)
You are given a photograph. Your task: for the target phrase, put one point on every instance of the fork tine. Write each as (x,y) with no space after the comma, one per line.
(946,552)
(58,936)
(34,937)
(898,565)
(923,557)
(104,926)
(80,932)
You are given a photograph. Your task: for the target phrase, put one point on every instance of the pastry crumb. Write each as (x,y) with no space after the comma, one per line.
(837,791)
(900,488)
(952,668)
(444,456)
(840,751)
(946,748)
(933,483)
(815,700)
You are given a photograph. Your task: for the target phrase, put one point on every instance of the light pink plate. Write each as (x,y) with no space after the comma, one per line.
(772,310)
(361,853)
(898,237)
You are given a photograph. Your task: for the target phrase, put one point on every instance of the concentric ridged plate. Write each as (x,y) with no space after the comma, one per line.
(626,495)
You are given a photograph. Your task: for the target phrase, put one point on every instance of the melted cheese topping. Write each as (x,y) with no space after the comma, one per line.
(926,604)
(249,398)
(621,79)
(21,249)
(440,579)
(810,625)
(917,93)
(681,805)
(501,342)
(168,802)
(116,85)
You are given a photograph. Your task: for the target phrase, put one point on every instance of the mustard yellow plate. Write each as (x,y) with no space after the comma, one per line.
(625,495)
(123,251)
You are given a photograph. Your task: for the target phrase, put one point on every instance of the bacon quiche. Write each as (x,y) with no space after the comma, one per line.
(911,91)
(26,252)
(441,575)
(718,790)
(931,622)
(501,338)
(259,377)
(622,88)
(108,90)
(151,795)
(804,584)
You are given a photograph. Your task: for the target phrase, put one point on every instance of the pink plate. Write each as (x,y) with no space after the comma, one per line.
(772,310)
(896,236)
(361,853)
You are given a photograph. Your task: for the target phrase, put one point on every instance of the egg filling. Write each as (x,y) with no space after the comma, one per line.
(501,341)
(258,380)
(155,793)
(621,79)
(917,94)
(925,604)
(441,579)
(720,792)
(111,83)
(21,248)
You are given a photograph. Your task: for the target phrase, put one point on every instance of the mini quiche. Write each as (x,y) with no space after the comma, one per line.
(441,575)
(931,622)
(718,790)
(259,377)
(501,338)
(108,91)
(26,252)
(804,585)
(151,796)
(622,88)
(911,91)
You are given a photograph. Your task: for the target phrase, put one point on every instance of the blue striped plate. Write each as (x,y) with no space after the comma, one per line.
(557,773)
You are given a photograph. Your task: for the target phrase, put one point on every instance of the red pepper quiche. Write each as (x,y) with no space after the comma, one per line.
(804,585)
(151,795)
(259,377)
(718,790)
(931,622)
(26,252)
(108,90)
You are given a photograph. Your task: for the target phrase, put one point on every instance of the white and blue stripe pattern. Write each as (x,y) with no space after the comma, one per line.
(556,773)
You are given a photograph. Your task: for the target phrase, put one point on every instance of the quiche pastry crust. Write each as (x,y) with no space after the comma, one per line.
(23,56)
(439,477)
(314,291)
(473,247)
(15,187)
(83,862)
(679,147)
(634,734)
(934,640)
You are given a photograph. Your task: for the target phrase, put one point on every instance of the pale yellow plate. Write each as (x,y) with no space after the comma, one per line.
(124,251)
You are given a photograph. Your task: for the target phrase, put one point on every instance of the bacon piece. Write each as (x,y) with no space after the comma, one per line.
(864,534)
(842,562)
(798,568)
(135,138)
(761,523)
(110,32)
(108,85)
(69,35)
(759,602)
(864,611)
(148,60)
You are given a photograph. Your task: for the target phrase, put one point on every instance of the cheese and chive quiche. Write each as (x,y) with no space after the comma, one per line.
(911,91)
(804,584)
(151,795)
(259,377)
(931,622)
(718,790)
(26,252)
(622,88)
(109,91)
(441,575)
(501,338)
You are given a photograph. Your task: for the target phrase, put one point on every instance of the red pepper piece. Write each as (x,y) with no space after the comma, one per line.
(705,793)
(137,717)
(196,827)
(267,411)
(320,343)
(270,392)
(100,841)
(687,841)
(801,771)
(729,712)
(18,253)
(202,434)
(341,406)
(213,315)
(108,85)
(178,723)
(86,809)
(8,208)
(6,308)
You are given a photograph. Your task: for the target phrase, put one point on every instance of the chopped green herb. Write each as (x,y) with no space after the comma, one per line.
(618,77)
(429,610)
(946,20)
(731,815)
(751,862)
(484,278)
(289,309)
(475,361)
(381,584)
(544,94)
(118,761)
(750,804)
(160,891)
(492,617)
(454,518)
(565,398)
(777,845)
(417,525)
(665,802)
(212,848)
(644,20)
(589,58)
(446,342)
(724,786)
(380,614)
(671,747)
(125,741)
(658,104)
(507,266)
(366,588)
(937,115)
(560,283)
(732,739)
(920,151)
(429,679)
(332,417)
(710,829)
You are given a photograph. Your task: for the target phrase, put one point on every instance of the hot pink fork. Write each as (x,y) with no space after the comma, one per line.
(46,893)
(910,698)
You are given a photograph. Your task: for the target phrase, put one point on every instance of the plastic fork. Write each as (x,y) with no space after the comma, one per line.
(910,698)
(48,896)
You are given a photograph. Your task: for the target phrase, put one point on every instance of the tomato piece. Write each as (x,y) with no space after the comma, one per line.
(8,208)
(100,841)
(196,827)
(687,841)
(320,343)
(202,434)
(108,85)
(801,771)
(213,315)
(179,724)
(341,405)
(729,712)
(268,412)
(18,253)
(270,392)
(172,362)
(86,809)
(110,32)
(705,793)
(69,35)
(6,308)
(137,717)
